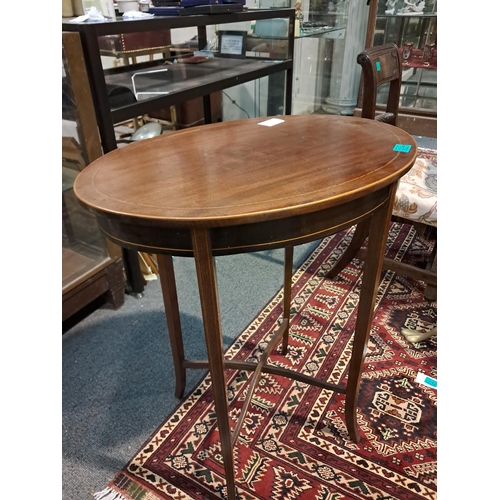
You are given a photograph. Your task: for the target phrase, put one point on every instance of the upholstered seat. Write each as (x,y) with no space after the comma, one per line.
(416,197)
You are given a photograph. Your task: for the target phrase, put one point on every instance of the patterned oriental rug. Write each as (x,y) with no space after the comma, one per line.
(294,444)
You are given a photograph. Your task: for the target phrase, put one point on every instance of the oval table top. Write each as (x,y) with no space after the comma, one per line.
(242,171)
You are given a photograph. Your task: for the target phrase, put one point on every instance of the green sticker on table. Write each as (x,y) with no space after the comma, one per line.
(377,65)
(402,148)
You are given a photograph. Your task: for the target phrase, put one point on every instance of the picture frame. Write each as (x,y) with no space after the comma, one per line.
(232,43)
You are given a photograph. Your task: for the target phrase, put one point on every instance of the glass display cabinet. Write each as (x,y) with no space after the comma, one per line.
(320,41)
(316,29)
(412,26)
(92,267)
(180,71)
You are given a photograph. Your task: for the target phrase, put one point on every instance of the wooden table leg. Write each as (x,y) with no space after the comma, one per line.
(207,283)
(135,279)
(430,292)
(357,240)
(377,240)
(169,291)
(287,295)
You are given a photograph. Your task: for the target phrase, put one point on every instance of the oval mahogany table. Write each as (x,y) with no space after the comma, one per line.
(241,186)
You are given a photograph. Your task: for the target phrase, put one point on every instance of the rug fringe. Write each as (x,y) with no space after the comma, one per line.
(108,494)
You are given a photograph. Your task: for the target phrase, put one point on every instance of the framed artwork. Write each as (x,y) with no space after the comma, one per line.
(232,43)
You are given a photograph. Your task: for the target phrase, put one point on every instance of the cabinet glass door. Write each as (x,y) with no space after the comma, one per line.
(83,244)
(412,26)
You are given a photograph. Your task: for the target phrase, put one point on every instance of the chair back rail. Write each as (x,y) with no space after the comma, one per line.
(381,65)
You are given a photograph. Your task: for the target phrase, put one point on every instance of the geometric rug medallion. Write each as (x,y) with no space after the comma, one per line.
(294,443)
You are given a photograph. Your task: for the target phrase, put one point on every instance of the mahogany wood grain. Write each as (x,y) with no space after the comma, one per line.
(287,295)
(239,172)
(379,228)
(171,303)
(256,377)
(207,284)
(381,65)
(357,240)
(239,186)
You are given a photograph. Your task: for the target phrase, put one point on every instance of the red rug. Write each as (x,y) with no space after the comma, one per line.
(294,444)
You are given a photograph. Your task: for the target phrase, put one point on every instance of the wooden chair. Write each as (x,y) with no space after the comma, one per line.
(382,65)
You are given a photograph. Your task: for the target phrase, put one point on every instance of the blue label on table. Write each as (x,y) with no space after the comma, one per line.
(377,65)
(402,148)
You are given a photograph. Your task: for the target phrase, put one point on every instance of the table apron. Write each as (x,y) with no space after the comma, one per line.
(153,236)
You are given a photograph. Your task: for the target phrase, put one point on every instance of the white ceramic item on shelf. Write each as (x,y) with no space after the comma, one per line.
(151,129)
(127,5)
(105,7)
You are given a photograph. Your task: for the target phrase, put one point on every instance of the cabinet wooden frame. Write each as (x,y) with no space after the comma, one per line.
(105,277)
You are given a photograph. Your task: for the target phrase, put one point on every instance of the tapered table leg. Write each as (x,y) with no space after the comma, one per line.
(169,291)
(135,278)
(377,240)
(287,295)
(357,240)
(207,283)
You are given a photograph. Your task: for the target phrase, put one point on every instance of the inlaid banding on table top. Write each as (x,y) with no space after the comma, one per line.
(249,237)
(263,177)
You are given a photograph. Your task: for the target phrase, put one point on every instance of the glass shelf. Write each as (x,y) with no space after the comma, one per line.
(177,81)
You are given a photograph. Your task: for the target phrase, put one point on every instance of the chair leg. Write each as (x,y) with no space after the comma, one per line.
(357,241)
(354,249)
(430,292)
